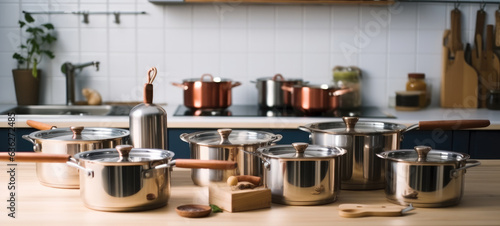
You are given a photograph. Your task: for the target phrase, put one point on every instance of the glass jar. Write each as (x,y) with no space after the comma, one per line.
(348,77)
(416,82)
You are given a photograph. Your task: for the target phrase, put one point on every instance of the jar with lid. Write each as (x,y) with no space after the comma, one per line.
(416,82)
(348,77)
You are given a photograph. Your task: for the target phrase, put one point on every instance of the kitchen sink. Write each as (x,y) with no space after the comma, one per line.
(115,110)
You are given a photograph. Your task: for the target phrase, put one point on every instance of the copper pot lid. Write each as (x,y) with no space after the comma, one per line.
(207,78)
(301,151)
(229,137)
(424,154)
(79,133)
(351,125)
(125,154)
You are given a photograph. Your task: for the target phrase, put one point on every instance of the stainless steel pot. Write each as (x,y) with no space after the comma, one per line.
(124,179)
(425,178)
(230,145)
(299,174)
(361,168)
(270,94)
(211,93)
(70,141)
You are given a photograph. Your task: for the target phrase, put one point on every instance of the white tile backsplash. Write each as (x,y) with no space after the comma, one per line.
(241,42)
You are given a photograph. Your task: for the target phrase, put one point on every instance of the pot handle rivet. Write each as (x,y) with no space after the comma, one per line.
(350,122)
(300,148)
(224,135)
(77,131)
(123,151)
(422,152)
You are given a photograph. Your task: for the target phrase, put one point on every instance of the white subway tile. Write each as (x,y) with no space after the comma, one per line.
(288,40)
(289,64)
(234,65)
(206,16)
(10,39)
(92,71)
(68,40)
(261,65)
(94,20)
(150,40)
(403,16)
(122,40)
(178,40)
(145,61)
(125,90)
(402,41)
(317,65)
(400,65)
(10,15)
(430,64)
(206,63)
(179,65)
(317,40)
(206,40)
(344,41)
(122,65)
(65,20)
(261,16)
(288,16)
(93,40)
(7,63)
(99,84)
(432,16)
(58,88)
(261,40)
(373,65)
(372,40)
(129,20)
(178,16)
(345,16)
(344,59)
(233,40)
(154,17)
(7,92)
(430,41)
(374,92)
(233,15)
(317,16)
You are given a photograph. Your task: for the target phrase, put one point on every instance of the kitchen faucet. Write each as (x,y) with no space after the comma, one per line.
(69,70)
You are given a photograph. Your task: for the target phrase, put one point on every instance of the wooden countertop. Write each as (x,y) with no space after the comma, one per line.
(40,205)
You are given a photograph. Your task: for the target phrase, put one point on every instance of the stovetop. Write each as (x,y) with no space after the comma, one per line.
(255,111)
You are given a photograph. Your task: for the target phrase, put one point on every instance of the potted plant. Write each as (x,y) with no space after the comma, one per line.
(27,75)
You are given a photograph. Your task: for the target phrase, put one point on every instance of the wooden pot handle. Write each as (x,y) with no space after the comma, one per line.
(248,178)
(205,164)
(34,157)
(452,124)
(39,125)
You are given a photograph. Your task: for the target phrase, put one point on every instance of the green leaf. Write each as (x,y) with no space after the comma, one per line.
(28,18)
(35,71)
(48,53)
(48,26)
(215,209)
(21,24)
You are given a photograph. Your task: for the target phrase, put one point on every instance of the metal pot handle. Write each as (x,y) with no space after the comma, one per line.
(276,138)
(468,164)
(73,163)
(184,138)
(449,124)
(303,128)
(199,164)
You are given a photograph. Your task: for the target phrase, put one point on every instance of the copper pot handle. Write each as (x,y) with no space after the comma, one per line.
(207,75)
(276,76)
(287,88)
(180,85)
(236,84)
(340,92)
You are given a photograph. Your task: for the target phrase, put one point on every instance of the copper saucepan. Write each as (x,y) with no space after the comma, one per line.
(207,92)
(315,99)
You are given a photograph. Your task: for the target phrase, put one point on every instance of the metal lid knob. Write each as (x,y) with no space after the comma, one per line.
(422,152)
(123,152)
(224,135)
(350,122)
(300,148)
(77,131)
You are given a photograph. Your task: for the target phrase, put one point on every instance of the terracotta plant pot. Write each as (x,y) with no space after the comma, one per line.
(27,87)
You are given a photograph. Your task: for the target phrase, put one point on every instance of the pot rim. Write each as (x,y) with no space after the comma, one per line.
(163,156)
(187,137)
(341,151)
(385,155)
(398,128)
(38,135)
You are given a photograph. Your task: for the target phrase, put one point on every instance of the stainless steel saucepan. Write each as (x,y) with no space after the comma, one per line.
(123,179)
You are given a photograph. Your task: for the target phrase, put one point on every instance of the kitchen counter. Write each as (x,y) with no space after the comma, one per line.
(40,205)
(407,118)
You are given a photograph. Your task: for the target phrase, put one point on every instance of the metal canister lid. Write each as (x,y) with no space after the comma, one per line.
(424,154)
(228,137)
(301,151)
(77,133)
(351,125)
(125,154)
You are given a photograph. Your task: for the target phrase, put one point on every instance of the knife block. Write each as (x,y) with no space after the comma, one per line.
(221,195)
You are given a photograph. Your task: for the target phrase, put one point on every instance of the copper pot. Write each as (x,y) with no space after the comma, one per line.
(314,99)
(203,93)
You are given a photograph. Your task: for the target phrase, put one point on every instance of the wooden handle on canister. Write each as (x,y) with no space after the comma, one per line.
(248,178)
(452,124)
(205,164)
(39,125)
(34,157)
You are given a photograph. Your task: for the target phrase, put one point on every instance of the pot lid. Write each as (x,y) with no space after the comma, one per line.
(279,78)
(125,154)
(207,78)
(79,133)
(351,125)
(301,151)
(423,154)
(229,137)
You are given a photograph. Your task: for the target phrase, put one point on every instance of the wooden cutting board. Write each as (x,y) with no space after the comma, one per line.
(459,83)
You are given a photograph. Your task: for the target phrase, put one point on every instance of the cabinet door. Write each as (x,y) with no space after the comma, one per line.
(485,144)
